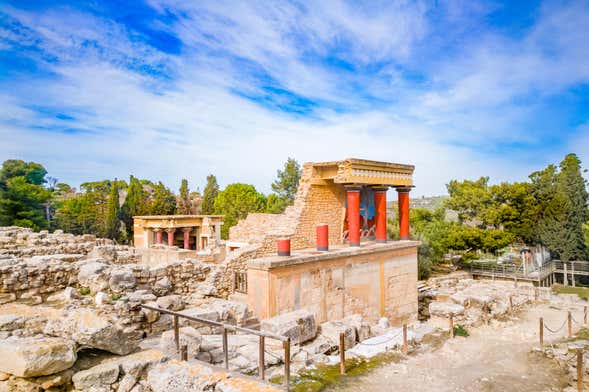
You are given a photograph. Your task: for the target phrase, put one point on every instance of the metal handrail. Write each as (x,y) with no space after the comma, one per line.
(232,328)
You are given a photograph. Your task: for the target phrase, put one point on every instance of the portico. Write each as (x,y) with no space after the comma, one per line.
(190,232)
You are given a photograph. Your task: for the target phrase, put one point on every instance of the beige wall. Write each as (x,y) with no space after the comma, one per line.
(373,285)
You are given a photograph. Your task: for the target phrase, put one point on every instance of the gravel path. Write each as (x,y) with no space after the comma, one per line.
(494,358)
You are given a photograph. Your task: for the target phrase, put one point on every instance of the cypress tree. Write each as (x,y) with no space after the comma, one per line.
(136,203)
(184,204)
(113,211)
(573,187)
(209,195)
(164,201)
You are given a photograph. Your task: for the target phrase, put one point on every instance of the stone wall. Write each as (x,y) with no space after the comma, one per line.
(376,282)
(315,203)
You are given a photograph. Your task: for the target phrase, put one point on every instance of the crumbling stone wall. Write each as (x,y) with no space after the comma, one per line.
(315,203)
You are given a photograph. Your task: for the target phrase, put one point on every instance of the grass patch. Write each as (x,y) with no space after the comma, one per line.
(459,330)
(115,296)
(84,290)
(314,380)
(583,334)
(582,292)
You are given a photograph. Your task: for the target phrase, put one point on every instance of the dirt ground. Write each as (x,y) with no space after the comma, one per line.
(497,357)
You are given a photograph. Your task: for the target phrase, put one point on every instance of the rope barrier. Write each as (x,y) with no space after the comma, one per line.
(575,321)
(386,341)
(557,330)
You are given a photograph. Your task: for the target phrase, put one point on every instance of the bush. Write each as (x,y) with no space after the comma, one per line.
(459,330)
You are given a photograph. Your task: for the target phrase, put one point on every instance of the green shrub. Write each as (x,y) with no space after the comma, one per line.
(84,290)
(459,330)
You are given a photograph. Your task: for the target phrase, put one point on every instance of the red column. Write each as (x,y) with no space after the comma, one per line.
(380,206)
(353,197)
(403,194)
(322,237)
(158,236)
(171,236)
(187,231)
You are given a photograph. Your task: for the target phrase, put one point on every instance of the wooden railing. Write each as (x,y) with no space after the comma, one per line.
(232,328)
(513,271)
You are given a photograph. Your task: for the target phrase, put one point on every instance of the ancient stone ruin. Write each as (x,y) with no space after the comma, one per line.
(82,313)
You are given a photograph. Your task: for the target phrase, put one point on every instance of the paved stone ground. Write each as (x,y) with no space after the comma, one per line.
(494,358)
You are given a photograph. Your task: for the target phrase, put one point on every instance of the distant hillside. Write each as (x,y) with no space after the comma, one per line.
(429,203)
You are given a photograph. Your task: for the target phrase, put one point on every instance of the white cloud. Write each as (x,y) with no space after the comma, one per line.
(130,122)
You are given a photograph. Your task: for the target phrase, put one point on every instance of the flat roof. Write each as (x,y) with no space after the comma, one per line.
(309,255)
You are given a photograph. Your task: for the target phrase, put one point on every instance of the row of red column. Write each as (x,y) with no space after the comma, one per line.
(380,204)
(171,232)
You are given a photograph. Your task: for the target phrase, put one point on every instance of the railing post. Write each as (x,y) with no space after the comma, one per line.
(541,331)
(286,345)
(580,370)
(261,362)
(225,348)
(404,349)
(452,326)
(510,304)
(570,323)
(342,353)
(177,334)
(184,353)
(585,314)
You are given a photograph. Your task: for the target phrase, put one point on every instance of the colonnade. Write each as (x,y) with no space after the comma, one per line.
(380,206)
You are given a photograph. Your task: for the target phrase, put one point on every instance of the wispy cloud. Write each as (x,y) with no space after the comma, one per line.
(183,89)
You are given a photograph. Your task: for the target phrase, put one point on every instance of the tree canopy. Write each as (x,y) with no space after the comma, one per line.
(235,202)
(209,195)
(287,181)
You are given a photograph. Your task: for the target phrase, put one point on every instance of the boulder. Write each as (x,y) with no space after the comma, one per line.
(162,287)
(361,326)
(121,280)
(93,275)
(331,331)
(181,377)
(171,302)
(445,309)
(188,336)
(101,376)
(89,329)
(299,326)
(36,356)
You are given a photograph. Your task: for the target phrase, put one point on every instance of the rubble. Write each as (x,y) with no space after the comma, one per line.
(299,326)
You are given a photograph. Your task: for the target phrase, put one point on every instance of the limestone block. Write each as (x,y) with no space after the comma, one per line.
(121,280)
(93,275)
(362,326)
(188,336)
(445,309)
(181,377)
(171,302)
(162,287)
(331,331)
(87,328)
(299,326)
(36,356)
(96,377)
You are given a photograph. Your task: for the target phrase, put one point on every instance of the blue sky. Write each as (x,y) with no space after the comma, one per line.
(176,89)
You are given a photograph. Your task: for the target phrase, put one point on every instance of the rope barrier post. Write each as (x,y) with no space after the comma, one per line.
(570,324)
(541,331)
(176,334)
(404,348)
(580,370)
(225,348)
(585,314)
(342,353)
(286,345)
(452,326)
(510,304)
(184,353)
(261,361)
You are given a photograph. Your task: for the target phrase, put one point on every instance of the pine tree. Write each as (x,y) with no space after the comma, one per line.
(163,202)
(113,211)
(184,204)
(287,180)
(209,195)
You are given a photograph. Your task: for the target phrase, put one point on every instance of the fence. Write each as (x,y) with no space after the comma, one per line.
(231,328)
